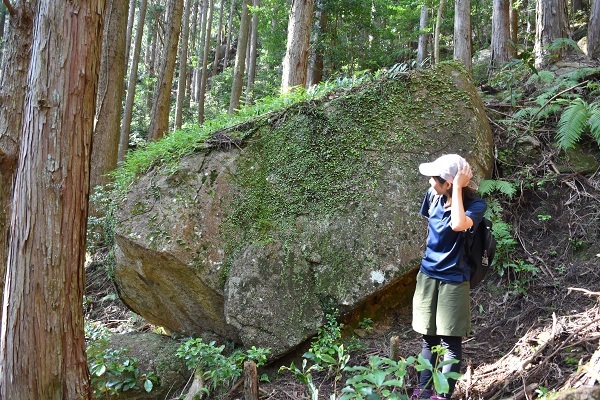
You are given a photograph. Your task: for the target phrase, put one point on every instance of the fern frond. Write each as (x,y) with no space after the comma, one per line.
(489,185)
(594,122)
(572,123)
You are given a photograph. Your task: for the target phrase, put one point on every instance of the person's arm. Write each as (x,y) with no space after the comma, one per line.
(458,219)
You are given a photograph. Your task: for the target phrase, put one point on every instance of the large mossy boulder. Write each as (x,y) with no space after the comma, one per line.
(300,212)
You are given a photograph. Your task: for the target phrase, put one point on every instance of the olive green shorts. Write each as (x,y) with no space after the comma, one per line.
(442,309)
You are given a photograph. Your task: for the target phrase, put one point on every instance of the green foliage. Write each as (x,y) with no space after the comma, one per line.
(489,186)
(383,378)
(112,370)
(578,117)
(218,371)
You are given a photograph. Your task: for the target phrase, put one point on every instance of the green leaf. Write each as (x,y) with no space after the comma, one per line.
(572,124)
(148,385)
(101,370)
(440,382)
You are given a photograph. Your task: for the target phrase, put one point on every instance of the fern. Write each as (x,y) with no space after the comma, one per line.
(577,118)
(488,186)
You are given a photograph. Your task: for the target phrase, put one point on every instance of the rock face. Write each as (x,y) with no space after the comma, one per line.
(315,208)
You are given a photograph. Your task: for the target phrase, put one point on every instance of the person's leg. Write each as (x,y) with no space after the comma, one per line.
(425,377)
(453,346)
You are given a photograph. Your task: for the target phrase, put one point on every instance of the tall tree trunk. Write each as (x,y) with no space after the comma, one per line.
(315,67)
(295,62)
(219,40)
(229,28)
(204,74)
(150,59)
(131,83)
(191,49)
(200,47)
(436,33)
(130,22)
(514,27)
(240,60)
(110,93)
(551,23)
(253,49)
(13,88)
(43,342)
(159,122)
(593,39)
(183,60)
(462,32)
(422,46)
(500,46)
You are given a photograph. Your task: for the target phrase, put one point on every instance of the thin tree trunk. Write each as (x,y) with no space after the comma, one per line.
(151,50)
(436,34)
(551,23)
(229,28)
(191,49)
(593,39)
(43,342)
(240,60)
(204,74)
(422,46)
(500,47)
(253,49)
(183,60)
(110,93)
(514,27)
(462,32)
(315,67)
(3,13)
(130,22)
(219,40)
(159,123)
(131,83)
(295,62)
(200,47)
(13,88)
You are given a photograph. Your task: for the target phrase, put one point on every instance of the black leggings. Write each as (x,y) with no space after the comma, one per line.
(453,345)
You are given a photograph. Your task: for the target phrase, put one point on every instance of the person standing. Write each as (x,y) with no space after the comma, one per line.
(441,303)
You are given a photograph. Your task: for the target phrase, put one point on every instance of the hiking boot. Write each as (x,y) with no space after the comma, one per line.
(419,393)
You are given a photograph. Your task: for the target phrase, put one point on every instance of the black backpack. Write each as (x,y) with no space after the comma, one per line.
(480,248)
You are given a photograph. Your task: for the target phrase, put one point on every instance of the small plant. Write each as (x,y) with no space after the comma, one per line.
(366,324)
(544,217)
(382,378)
(113,370)
(218,371)
(576,244)
(523,273)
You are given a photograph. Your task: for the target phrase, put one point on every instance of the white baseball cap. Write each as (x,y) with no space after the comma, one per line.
(446,167)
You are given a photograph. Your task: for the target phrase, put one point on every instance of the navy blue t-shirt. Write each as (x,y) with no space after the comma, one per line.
(444,257)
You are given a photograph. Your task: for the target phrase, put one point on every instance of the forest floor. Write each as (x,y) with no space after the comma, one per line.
(536,328)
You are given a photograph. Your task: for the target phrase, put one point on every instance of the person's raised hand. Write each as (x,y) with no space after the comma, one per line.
(463,175)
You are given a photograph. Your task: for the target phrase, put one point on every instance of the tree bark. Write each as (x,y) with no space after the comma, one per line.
(219,40)
(159,123)
(436,33)
(191,48)
(462,32)
(250,381)
(593,39)
(253,49)
(130,22)
(3,12)
(229,28)
(551,23)
(500,46)
(204,74)
(315,67)
(240,60)
(422,46)
(183,61)
(43,343)
(295,62)
(13,87)
(110,93)
(200,46)
(131,83)
(514,27)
